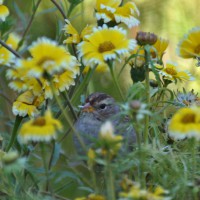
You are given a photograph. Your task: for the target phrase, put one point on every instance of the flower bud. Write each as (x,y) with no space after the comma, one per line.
(144,38)
(135,105)
(10,157)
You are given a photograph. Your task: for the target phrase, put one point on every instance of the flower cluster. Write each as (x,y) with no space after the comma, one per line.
(49,67)
(133,191)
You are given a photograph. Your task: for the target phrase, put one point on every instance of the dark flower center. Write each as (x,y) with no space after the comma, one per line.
(44,59)
(171,71)
(189,118)
(40,121)
(197,49)
(106,46)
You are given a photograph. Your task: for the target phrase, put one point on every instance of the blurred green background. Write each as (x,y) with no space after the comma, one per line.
(170,19)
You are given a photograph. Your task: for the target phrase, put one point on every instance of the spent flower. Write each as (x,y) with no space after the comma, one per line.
(27,104)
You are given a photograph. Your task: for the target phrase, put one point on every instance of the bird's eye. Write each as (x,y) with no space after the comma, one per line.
(102,106)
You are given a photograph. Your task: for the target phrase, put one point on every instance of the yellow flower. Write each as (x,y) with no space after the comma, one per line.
(6,57)
(171,73)
(185,123)
(19,77)
(110,10)
(50,58)
(27,104)
(189,46)
(160,45)
(92,197)
(40,129)
(4,12)
(61,82)
(126,14)
(73,35)
(135,192)
(105,44)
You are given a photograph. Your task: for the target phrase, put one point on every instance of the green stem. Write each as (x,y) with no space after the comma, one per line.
(94,181)
(83,85)
(147,61)
(10,49)
(59,8)
(70,106)
(109,179)
(116,82)
(29,25)
(67,117)
(17,123)
(45,165)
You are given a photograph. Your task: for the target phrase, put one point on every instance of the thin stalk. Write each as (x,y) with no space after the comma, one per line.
(109,179)
(59,8)
(70,106)
(194,164)
(17,123)
(10,49)
(147,60)
(116,82)
(94,181)
(83,85)
(52,153)
(45,165)
(67,117)
(29,25)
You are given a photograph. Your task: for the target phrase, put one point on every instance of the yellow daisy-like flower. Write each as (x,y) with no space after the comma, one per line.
(111,10)
(189,46)
(92,197)
(4,12)
(50,58)
(20,81)
(6,57)
(61,82)
(105,44)
(27,104)
(74,36)
(126,14)
(40,129)
(185,123)
(171,73)
(160,45)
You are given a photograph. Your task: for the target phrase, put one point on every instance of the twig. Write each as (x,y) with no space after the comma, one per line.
(59,8)
(10,49)
(29,24)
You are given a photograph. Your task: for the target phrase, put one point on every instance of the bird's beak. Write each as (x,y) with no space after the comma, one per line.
(87,108)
